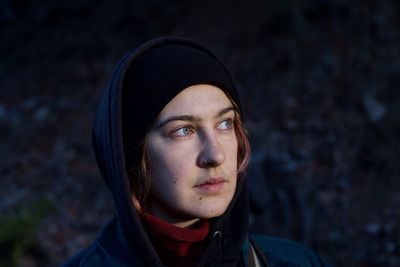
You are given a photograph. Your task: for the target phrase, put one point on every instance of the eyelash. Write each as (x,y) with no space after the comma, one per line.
(191,129)
(230,124)
(174,132)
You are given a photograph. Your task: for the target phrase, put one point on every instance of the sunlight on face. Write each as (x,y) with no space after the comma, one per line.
(193,156)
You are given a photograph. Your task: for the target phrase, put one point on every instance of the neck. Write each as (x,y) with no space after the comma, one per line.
(185,224)
(176,220)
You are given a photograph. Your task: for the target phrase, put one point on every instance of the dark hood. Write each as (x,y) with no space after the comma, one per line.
(108,145)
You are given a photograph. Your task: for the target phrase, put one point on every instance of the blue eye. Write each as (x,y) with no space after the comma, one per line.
(226,124)
(184,131)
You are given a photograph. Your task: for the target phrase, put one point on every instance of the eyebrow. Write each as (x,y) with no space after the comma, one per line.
(191,117)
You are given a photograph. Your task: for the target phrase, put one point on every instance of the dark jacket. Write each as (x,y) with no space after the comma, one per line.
(124,242)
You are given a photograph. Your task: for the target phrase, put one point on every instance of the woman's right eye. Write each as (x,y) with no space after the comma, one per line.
(183,131)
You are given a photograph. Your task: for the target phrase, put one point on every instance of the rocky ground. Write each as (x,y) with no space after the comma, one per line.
(321,86)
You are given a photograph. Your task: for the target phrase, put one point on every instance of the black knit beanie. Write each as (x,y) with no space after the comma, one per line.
(155,77)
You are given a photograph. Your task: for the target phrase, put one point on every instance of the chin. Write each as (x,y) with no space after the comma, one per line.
(213,210)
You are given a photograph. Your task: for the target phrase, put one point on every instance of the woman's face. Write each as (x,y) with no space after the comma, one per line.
(193,156)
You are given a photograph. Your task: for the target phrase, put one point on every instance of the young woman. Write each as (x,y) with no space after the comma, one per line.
(170,143)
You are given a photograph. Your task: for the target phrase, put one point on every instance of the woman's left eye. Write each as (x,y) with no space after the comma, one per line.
(226,124)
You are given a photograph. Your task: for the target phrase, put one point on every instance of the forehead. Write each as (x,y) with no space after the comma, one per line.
(197,100)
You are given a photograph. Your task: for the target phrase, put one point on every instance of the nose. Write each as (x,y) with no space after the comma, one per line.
(212,153)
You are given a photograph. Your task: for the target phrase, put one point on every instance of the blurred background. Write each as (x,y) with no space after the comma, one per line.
(320,81)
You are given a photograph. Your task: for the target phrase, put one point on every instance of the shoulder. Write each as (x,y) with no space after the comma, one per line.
(102,252)
(86,258)
(285,252)
(108,249)
(94,256)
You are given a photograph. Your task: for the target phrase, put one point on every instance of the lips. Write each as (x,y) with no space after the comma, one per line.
(212,185)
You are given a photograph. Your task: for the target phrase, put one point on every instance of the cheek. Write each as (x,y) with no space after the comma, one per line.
(231,150)
(169,162)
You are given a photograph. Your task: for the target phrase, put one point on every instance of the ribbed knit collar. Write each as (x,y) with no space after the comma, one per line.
(176,243)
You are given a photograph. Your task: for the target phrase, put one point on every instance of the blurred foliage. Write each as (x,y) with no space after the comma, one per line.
(17,231)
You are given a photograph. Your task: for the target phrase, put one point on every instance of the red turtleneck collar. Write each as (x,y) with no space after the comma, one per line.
(175,245)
